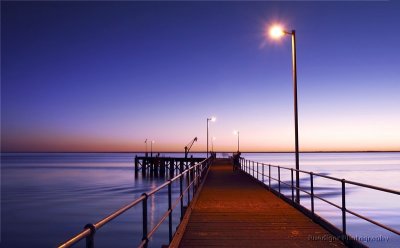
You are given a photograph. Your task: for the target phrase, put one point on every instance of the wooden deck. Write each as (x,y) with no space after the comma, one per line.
(232,210)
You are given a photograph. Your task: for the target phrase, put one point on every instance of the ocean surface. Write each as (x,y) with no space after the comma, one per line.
(46,198)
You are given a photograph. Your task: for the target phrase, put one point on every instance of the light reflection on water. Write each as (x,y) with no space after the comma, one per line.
(47,198)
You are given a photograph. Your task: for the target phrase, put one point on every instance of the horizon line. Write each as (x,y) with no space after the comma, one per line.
(155,152)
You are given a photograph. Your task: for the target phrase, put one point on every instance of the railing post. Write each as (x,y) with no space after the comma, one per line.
(250,172)
(253,168)
(269,177)
(262,164)
(181,189)
(170,210)
(312,192)
(188,186)
(291,177)
(198,175)
(191,170)
(193,181)
(90,238)
(279,179)
(144,219)
(344,207)
(257,171)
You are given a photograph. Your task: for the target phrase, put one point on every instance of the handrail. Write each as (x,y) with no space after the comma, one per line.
(248,166)
(335,178)
(197,170)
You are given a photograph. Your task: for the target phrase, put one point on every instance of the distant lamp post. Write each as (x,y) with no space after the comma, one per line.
(151,148)
(146,147)
(213,119)
(277,32)
(236,132)
(212,143)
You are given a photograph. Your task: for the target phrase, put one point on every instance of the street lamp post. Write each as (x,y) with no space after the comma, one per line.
(277,32)
(209,119)
(237,133)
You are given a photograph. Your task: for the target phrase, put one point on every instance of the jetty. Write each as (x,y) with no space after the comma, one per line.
(232,210)
(235,202)
(163,166)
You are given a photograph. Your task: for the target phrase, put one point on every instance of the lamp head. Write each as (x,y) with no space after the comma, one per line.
(213,119)
(276,32)
(236,132)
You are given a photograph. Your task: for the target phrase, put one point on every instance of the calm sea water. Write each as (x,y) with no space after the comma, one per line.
(47,198)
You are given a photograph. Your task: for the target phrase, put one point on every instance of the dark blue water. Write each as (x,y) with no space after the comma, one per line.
(47,198)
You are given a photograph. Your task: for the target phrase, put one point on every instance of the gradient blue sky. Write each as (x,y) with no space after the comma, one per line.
(103,76)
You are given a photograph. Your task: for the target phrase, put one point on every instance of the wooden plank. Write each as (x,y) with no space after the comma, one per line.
(234,211)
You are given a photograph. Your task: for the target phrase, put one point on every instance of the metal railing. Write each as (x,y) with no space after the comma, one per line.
(194,176)
(252,168)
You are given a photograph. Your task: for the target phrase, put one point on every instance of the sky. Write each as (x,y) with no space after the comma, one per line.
(106,76)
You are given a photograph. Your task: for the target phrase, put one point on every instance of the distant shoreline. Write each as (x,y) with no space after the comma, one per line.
(155,152)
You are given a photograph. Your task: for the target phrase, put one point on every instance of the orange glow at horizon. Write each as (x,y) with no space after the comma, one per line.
(310,140)
(263,133)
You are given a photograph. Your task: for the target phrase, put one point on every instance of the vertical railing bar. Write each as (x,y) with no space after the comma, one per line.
(188,186)
(198,175)
(257,171)
(262,164)
(291,177)
(181,192)
(312,192)
(279,179)
(193,182)
(253,168)
(269,177)
(170,210)
(144,219)
(90,238)
(344,206)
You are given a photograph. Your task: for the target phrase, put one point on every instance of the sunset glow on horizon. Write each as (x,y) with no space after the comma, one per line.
(106,77)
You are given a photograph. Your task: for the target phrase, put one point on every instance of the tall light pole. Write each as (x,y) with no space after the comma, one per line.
(237,133)
(213,119)
(151,148)
(277,32)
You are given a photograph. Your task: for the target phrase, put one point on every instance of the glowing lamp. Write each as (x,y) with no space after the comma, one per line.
(276,32)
